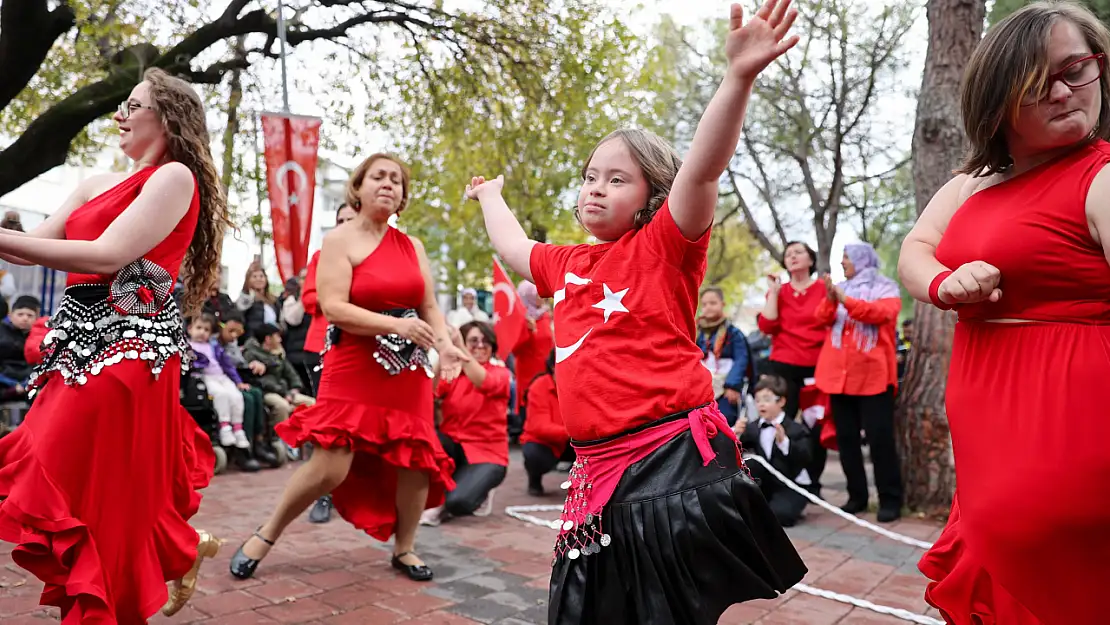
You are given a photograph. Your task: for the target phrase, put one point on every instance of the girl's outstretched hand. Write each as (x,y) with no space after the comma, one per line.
(479,185)
(751,47)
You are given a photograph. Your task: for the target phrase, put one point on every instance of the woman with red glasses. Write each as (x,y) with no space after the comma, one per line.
(472,427)
(1015,243)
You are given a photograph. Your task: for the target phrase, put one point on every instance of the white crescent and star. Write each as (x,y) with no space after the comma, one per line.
(610,303)
(302,179)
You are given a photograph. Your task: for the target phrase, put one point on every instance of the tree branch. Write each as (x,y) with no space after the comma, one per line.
(28,30)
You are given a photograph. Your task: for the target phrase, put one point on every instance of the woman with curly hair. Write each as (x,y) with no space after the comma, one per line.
(107,410)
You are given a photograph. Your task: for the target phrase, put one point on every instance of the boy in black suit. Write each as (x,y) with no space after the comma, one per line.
(784,443)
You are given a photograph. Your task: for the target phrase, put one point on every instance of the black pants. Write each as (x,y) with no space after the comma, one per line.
(795,377)
(473,482)
(875,414)
(786,504)
(540,460)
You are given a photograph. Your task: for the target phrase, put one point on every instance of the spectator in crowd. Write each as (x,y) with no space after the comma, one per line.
(256,302)
(472,428)
(221,379)
(859,370)
(11,221)
(295,324)
(533,347)
(255,423)
(784,444)
(724,352)
(280,384)
(14,331)
(545,440)
(789,316)
(219,304)
(905,343)
(469,310)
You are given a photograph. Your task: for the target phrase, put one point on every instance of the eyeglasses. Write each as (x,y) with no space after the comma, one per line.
(127,107)
(1078,73)
(477,342)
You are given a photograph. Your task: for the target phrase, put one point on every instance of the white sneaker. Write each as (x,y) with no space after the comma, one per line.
(486,508)
(241,440)
(227,438)
(432,517)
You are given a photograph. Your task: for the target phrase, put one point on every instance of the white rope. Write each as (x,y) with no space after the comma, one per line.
(905,615)
(521,513)
(851,518)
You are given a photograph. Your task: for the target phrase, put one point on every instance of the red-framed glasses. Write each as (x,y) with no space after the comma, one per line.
(1078,73)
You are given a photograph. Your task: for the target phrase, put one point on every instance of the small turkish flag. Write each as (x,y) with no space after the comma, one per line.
(508,311)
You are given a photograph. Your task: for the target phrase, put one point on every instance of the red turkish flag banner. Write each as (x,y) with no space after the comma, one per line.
(291,142)
(508,311)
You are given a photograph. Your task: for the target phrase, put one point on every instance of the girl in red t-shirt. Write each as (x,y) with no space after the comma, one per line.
(662,523)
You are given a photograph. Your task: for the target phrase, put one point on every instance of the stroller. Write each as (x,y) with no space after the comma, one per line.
(195,400)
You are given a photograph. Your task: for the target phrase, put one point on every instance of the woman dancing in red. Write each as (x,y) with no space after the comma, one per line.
(372,428)
(1017,243)
(108,410)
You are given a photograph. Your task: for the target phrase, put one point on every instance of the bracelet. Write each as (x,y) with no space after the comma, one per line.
(934,291)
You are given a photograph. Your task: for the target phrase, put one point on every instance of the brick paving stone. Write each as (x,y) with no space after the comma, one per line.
(491,570)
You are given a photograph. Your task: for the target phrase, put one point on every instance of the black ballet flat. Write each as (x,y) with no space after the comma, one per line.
(415,572)
(242,566)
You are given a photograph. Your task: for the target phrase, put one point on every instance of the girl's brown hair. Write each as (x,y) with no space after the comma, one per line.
(267,296)
(354,183)
(1010,63)
(182,114)
(657,160)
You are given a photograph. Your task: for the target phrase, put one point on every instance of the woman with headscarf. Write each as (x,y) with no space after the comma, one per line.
(535,344)
(469,311)
(858,368)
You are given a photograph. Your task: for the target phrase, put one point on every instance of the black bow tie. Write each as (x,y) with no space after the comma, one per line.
(764,424)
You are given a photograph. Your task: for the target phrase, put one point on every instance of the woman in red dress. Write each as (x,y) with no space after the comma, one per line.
(107,411)
(314,342)
(472,427)
(1017,244)
(374,441)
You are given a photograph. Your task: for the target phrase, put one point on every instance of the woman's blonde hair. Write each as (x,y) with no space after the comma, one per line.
(181,112)
(354,183)
(658,161)
(1010,63)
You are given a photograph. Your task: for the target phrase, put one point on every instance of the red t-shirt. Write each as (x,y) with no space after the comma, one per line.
(477,418)
(531,354)
(797,335)
(624,327)
(544,424)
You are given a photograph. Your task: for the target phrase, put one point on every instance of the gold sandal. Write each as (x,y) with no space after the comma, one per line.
(182,589)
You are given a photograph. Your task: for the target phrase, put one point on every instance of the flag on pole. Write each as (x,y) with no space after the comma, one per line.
(291,142)
(508,311)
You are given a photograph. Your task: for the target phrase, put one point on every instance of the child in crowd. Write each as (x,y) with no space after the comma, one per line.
(782,442)
(221,379)
(280,384)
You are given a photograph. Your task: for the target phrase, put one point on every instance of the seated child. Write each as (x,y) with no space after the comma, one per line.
(782,442)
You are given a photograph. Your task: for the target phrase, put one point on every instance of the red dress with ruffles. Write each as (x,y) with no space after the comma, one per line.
(1027,541)
(98,483)
(386,419)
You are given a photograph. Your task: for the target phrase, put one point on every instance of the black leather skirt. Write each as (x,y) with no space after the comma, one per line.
(688,541)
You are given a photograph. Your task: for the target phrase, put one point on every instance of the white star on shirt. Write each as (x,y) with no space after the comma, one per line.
(612,301)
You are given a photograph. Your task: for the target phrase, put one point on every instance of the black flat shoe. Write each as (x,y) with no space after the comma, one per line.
(415,572)
(321,510)
(888,514)
(854,507)
(242,566)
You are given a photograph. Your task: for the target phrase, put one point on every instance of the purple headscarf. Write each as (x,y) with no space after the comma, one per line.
(867,285)
(535,306)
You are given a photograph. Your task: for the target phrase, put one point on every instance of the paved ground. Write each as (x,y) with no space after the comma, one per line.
(491,570)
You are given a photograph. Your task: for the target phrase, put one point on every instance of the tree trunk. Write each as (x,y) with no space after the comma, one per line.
(955,27)
(235,97)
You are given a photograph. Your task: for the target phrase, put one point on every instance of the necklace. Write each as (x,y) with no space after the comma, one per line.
(798,292)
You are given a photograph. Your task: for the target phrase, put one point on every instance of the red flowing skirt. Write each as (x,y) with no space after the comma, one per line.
(1027,542)
(97,486)
(387,420)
